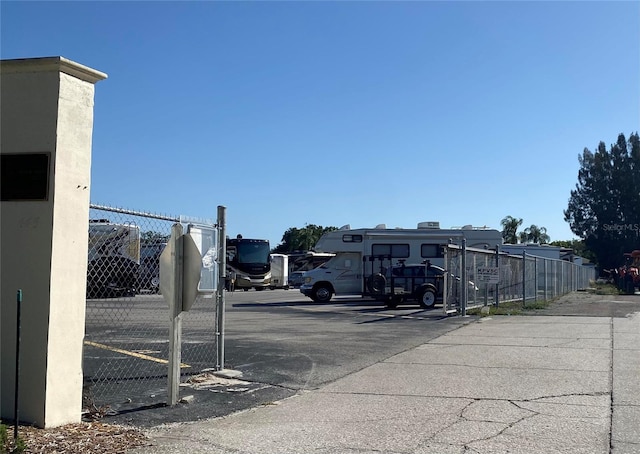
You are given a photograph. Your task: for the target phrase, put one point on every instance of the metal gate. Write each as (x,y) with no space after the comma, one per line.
(126,346)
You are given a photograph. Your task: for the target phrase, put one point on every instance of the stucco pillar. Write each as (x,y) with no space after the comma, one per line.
(46,125)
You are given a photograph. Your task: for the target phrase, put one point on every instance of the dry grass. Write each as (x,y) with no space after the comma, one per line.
(81,438)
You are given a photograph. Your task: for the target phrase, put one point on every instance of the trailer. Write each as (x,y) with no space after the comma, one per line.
(361,254)
(279,271)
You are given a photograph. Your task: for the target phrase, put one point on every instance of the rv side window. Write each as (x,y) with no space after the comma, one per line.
(398,251)
(352,238)
(431,251)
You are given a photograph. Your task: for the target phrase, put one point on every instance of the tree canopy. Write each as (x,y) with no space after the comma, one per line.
(604,208)
(150,236)
(510,227)
(303,239)
(531,234)
(534,234)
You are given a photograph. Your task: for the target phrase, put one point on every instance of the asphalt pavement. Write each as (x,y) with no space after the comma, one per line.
(567,381)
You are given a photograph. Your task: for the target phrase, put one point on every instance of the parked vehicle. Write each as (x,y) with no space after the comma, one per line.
(296,279)
(305,261)
(362,253)
(248,263)
(279,271)
(114,259)
(629,274)
(423,283)
(149,276)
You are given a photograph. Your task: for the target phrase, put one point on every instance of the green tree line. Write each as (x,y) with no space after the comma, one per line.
(604,208)
(301,239)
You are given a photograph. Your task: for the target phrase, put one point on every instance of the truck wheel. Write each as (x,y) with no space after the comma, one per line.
(322,294)
(427,298)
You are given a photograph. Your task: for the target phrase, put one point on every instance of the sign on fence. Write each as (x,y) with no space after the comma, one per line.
(488,274)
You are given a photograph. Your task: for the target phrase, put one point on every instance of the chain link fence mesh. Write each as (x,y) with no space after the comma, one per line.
(126,347)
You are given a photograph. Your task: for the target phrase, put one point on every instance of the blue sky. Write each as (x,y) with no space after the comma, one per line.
(333,113)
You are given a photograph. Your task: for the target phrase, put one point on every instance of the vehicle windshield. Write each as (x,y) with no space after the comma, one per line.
(254,252)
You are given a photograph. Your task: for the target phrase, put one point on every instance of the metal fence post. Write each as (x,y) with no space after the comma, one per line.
(445,281)
(497,295)
(524,279)
(222,276)
(535,279)
(464,283)
(545,279)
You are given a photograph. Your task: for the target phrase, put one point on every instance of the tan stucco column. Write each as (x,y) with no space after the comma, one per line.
(46,125)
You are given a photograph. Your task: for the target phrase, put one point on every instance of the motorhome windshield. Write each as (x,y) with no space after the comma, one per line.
(253,252)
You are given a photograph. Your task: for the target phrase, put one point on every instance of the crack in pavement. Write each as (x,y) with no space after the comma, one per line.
(483,411)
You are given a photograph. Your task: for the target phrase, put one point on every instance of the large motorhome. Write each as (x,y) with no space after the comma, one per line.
(308,260)
(248,263)
(365,252)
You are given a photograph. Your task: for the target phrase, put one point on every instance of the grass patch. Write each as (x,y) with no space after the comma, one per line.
(606,289)
(10,446)
(509,308)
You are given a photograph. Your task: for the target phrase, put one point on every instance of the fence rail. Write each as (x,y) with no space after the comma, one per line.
(524,278)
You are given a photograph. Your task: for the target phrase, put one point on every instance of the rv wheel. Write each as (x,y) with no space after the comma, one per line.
(322,294)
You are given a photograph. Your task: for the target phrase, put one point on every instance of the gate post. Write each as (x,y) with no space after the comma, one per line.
(222,276)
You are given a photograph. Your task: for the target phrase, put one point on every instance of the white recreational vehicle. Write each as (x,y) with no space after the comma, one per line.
(365,252)
(279,271)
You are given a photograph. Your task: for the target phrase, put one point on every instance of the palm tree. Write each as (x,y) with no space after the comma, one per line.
(510,228)
(534,234)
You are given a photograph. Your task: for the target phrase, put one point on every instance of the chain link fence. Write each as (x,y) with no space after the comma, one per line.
(126,346)
(522,278)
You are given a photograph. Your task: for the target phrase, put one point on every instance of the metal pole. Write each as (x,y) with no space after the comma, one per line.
(535,279)
(464,284)
(524,279)
(17,383)
(546,295)
(445,281)
(222,278)
(497,295)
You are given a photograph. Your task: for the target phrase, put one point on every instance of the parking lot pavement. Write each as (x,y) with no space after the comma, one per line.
(550,384)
